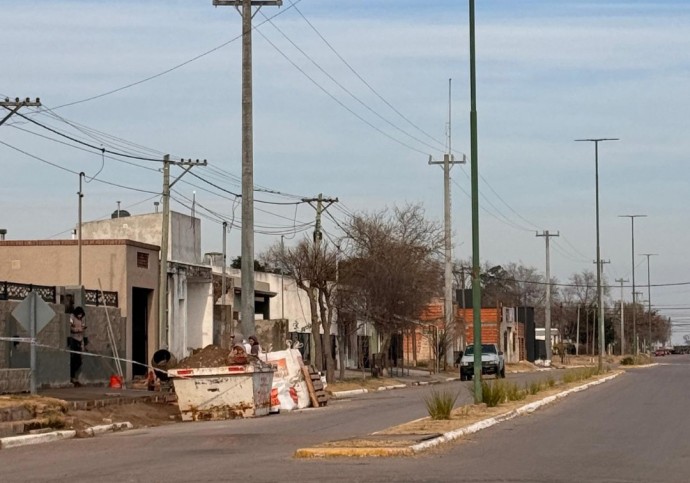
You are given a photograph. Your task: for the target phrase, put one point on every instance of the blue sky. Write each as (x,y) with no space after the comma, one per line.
(548,73)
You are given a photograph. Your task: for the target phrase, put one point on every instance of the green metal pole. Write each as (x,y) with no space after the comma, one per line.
(476,288)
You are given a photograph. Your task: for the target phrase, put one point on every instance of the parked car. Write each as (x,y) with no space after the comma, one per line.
(493,362)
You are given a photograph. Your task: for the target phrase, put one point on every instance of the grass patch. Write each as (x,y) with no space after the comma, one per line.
(534,387)
(493,393)
(439,404)
(514,393)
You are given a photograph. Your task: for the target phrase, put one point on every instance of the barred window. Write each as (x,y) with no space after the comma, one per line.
(142,260)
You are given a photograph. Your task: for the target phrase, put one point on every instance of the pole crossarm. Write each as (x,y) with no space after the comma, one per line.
(14,105)
(255,3)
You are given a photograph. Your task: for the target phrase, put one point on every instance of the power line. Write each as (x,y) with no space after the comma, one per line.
(171,69)
(55,165)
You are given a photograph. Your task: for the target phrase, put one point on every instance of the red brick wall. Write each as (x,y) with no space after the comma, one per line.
(490,325)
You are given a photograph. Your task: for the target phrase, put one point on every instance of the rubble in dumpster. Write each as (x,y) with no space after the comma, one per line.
(214,356)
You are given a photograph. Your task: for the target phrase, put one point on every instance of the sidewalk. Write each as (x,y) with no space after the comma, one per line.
(89,397)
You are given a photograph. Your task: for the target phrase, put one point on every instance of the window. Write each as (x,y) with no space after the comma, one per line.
(142,260)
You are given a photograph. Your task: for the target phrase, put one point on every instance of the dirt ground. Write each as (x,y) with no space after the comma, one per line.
(141,415)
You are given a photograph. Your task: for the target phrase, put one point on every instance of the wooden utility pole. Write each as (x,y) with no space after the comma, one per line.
(547,308)
(447,162)
(247,249)
(318,236)
(163,328)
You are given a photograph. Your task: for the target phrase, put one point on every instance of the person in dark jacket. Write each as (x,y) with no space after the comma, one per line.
(255,346)
(77,342)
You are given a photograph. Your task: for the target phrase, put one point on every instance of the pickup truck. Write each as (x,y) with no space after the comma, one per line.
(493,362)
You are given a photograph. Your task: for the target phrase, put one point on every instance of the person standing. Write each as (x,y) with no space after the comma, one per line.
(77,341)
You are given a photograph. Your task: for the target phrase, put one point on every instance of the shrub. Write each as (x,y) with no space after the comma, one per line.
(534,387)
(494,393)
(514,393)
(550,382)
(439,404)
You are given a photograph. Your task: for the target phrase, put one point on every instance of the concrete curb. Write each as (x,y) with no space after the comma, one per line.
(104,428)
(27,439)
(353,392)
(486,423)
(316,452)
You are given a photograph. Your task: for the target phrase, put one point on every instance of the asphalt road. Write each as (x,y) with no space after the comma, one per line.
(630,429)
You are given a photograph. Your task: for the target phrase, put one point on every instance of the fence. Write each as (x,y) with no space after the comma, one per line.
(19,291)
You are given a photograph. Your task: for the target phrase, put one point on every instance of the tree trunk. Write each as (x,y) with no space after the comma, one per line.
(384,352)
(317,357)
(341,350)
(326,318)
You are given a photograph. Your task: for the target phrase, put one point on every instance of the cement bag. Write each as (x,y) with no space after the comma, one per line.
(283,397)
(283,393)
(300,385)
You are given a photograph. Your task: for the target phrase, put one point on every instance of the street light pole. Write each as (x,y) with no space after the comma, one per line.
(476,287)
(632,257)
(602,342)
(649,298)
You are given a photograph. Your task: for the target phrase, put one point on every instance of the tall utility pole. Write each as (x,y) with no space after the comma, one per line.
(81,196)
(637,338)
(649,298)
(163,332)
(318,235)
(547,308)
(474,164)
(622,281)
(632,257)
(448,161)
(247,249)
(224,288)
(320,208)
(15,105)
(600,309)
(600,296)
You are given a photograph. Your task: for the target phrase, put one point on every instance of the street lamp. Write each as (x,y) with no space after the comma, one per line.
(602,343)
(632,224)
(649,297)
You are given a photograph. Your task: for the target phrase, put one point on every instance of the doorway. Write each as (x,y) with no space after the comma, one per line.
(141,303)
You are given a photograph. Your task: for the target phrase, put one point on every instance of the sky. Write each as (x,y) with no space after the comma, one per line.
(350,100)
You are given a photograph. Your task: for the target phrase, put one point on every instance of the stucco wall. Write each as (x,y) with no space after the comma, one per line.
(184,244)
(52,359)
(113,262)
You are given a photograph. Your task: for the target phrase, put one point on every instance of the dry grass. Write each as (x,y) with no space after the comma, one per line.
(467,415)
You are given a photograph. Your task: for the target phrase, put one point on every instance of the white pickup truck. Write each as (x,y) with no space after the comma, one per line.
(493,362)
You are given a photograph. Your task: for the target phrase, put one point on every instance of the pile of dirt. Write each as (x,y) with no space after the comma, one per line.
(214,356)
(209,356)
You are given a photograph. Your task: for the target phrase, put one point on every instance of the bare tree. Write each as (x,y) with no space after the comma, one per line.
(393,268)
(313,268)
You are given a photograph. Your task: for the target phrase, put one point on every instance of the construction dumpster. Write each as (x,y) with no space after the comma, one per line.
(228,392)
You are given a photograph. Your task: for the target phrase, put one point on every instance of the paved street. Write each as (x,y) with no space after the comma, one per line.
(630,429)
